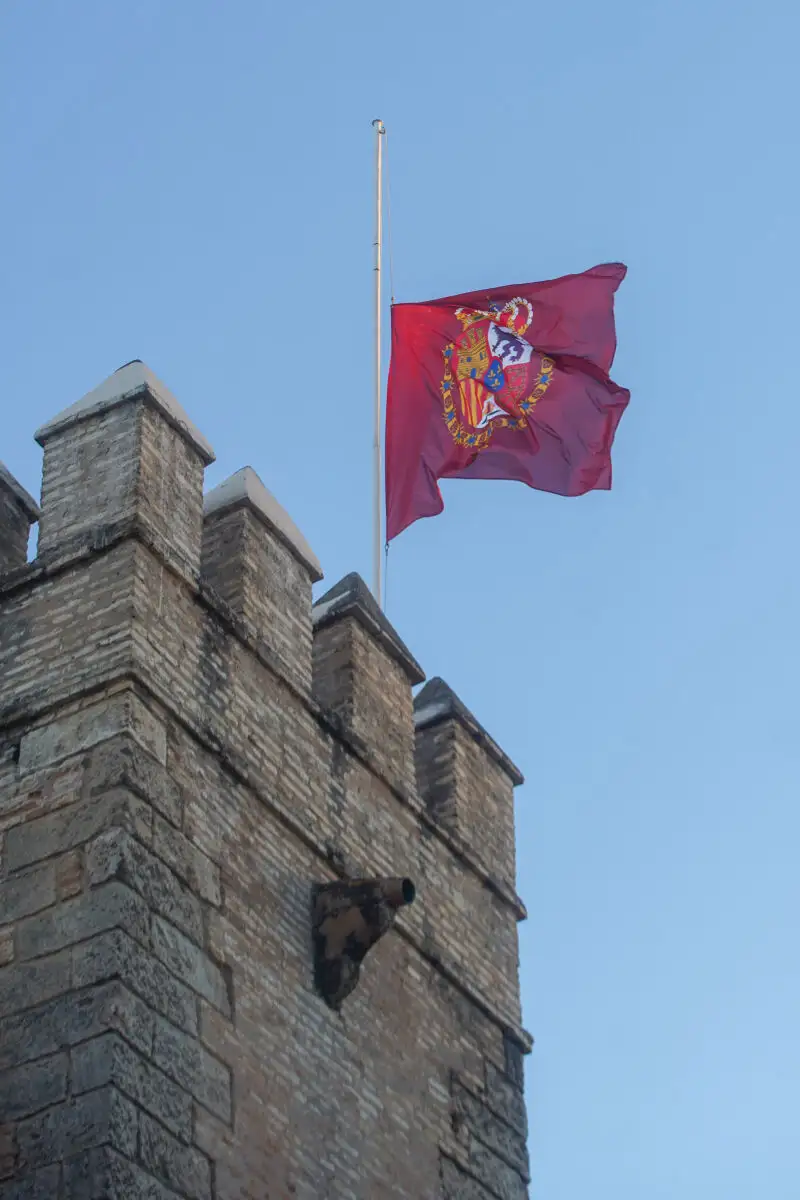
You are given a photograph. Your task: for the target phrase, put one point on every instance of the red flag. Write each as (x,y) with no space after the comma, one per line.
(506,384)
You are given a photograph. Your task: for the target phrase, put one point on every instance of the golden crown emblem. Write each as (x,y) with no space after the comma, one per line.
(468,316)
(517,314)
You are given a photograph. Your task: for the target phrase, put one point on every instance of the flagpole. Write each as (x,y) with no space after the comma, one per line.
(380,130)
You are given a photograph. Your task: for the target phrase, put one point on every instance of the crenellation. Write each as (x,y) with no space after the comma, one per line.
(188,750)
(126,451)
(89,475)
(260,564)
(466,780)
(363,673)
(170,488)
(18,511)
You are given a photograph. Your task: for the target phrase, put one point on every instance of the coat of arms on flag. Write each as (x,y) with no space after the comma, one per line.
(492,376)
(520,376)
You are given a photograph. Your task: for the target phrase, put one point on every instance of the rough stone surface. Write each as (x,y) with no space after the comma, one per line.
(103,1174)
(506,1099)
(80,918)
(496,1174)
(184,1060)
(189,864)
(25,798)
(115,955)
(26,1090)
(185,752)
(70,1019)
(121,762)
(186,961)
(116,855)
(180,1166)
(121,713)
(495,1134)
(27,893)
(8,1150)
(37,1185)
(69,874)
(459,1184)
(100,1117)
(75,825)
(109,1059)
(24,985)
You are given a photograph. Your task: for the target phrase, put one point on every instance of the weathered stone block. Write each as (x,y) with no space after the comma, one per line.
(115,854)
(495,1173)
(458,1185)
(8,1149)
(121,762)
(515,1060)
(493,1132)
(69,874)
(185,1061)
(103,1174)
(116,955)
(28,1089)
(88,914)
(86,1176)
(98,1118)
(109,1059)
(6,947)
(182,1167)
(27,893)
(24,985)
(506,1099)
(193,867)
(72,1018)
(123,712)
(38,1185)
(40,794)
(189,962)
(75,825)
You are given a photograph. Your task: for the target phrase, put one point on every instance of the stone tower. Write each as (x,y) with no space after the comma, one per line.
(214,800)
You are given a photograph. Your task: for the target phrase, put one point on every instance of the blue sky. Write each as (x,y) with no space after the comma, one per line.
(191,183)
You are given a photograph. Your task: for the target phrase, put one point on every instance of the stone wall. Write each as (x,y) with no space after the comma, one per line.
(187,748)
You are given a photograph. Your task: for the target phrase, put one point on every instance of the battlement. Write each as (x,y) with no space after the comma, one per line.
(189,749)
(18,511)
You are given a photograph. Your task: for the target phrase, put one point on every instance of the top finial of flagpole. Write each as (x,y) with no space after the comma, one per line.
(380,125)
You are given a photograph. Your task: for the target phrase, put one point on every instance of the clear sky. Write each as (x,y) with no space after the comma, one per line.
(191,183)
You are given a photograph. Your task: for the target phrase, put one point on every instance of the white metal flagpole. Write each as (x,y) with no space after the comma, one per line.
(380,131)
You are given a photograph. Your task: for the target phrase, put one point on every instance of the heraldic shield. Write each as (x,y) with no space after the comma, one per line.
(493,376)
(511,383)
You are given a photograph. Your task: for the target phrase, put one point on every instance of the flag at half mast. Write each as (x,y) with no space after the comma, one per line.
(510,383)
